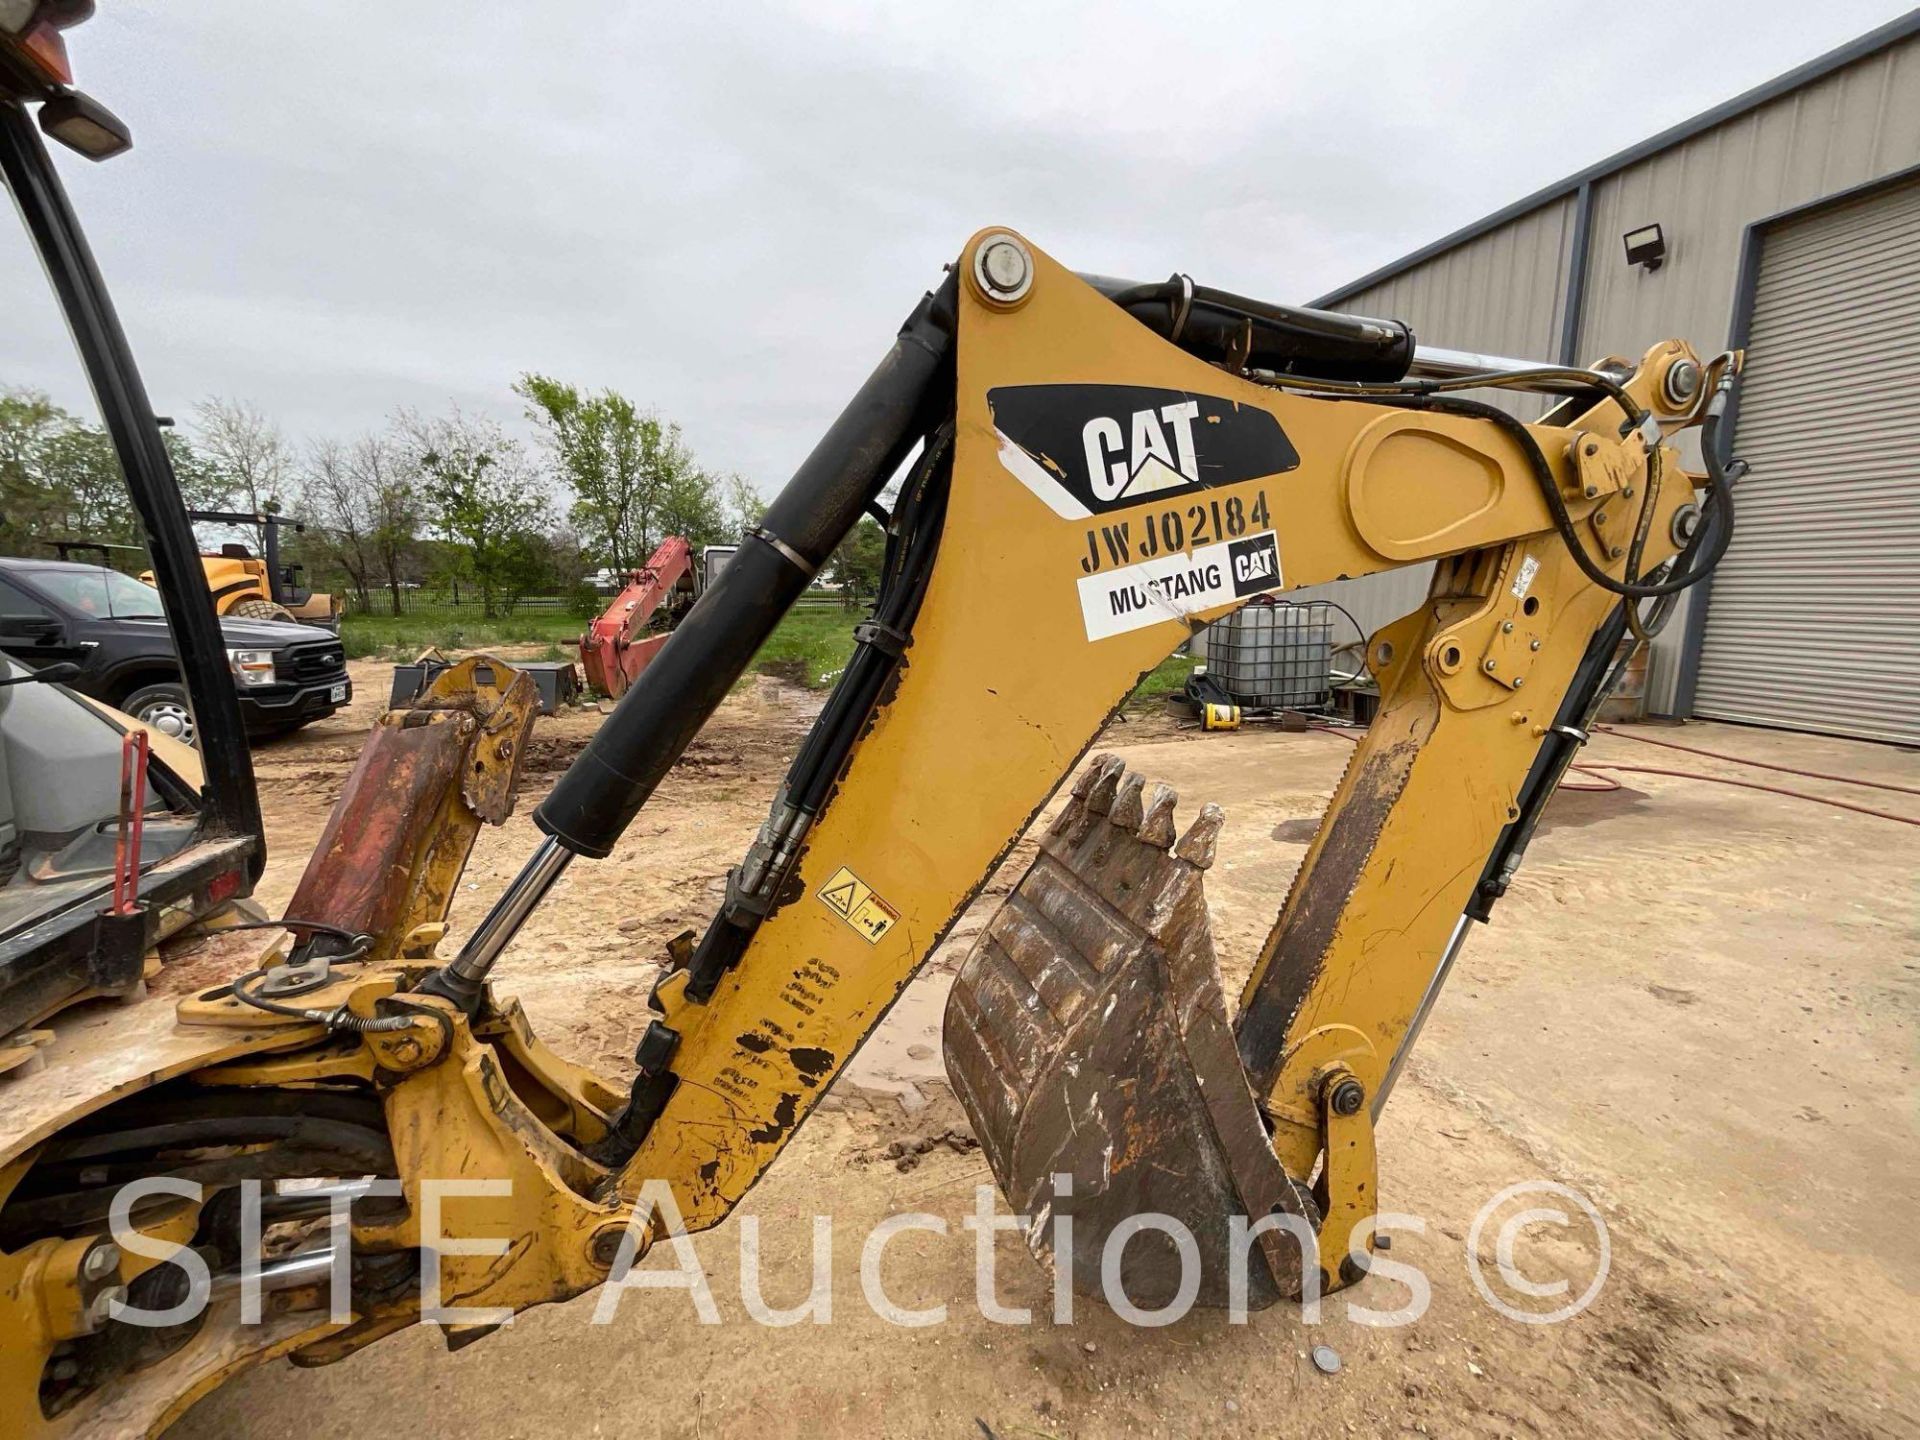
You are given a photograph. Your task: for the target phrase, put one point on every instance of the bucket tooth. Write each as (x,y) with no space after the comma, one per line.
(1128,811)
(1087,1037)
(1197,846)
(1107,770)
(1156,824)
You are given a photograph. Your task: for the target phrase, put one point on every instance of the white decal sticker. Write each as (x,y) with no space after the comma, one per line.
(1177,585)
(1523,581)
(1028,471)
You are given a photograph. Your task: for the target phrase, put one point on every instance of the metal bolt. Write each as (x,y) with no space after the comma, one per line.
(1348,1097)
(101,1310)
(1518,681)
(604,1247)
(1506,627)
(1490,667)
(1533,645)
(1626,492)
(1599,517)
(1615,553)
(1592,491)
(1682,382)
(100,1262)
(406,1050)
(1003,268)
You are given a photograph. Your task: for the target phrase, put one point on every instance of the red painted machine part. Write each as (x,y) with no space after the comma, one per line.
(617,646)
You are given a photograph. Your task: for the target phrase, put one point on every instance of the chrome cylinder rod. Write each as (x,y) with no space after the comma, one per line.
(289,1272)
(308,1200)
(1427,1000)
(468,970)
(1436,362)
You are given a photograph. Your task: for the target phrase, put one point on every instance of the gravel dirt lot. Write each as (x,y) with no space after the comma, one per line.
(1697,1008)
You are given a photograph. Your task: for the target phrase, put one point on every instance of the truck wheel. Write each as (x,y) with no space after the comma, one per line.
(257,609)
(163,707)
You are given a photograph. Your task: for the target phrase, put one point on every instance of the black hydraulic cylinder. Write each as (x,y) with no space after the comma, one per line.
(1217,325)
(611,779)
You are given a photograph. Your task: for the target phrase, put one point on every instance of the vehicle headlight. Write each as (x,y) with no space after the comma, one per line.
(251,667)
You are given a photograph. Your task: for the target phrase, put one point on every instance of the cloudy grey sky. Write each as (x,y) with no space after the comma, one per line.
(725,209)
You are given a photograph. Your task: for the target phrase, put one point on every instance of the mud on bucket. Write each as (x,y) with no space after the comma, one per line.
(1087,1036)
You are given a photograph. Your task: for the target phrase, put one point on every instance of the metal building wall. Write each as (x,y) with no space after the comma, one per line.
(1855,125)
(1501,295)
(1503,289)
(1813,619)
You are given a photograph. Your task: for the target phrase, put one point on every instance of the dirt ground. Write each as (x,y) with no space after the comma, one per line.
(1697,1009)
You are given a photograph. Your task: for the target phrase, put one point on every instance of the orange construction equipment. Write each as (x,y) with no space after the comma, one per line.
(630,631)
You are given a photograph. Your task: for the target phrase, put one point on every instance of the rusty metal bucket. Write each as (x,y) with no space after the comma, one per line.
(1087,1037)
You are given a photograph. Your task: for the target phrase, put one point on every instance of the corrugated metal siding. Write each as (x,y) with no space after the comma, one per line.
(1852,126)
(1855,124)
(1814,617)
(1500,295)
(1374,600)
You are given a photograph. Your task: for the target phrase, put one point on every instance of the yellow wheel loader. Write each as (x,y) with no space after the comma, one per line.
(1087,470)
(259,587)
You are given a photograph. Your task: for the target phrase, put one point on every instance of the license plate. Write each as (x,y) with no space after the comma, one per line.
(338,695)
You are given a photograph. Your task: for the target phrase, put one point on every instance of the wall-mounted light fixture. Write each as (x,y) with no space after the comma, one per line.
(1646,247)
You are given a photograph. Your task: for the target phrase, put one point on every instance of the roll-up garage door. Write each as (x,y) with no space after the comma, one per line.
(1813,622)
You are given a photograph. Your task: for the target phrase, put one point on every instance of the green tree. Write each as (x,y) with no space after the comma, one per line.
(60,479)
(28,423)
(855,565)
(633,475)
(482,497)
(744,505)
(203,484)
(87,491)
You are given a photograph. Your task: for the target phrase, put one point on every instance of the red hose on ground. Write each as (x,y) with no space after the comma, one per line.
(1602,788)
(1763,765)
(1591,769)
(1753,785)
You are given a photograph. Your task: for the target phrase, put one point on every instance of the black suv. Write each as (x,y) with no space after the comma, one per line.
(112,627)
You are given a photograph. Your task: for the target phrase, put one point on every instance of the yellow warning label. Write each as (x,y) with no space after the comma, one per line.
(853,900)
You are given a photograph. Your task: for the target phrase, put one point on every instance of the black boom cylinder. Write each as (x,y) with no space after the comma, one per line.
(1219,326)
(611,779)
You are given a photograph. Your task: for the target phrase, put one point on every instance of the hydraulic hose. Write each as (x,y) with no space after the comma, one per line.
(1695,562)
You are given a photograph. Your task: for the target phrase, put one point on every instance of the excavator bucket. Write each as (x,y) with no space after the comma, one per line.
(1088,1039)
